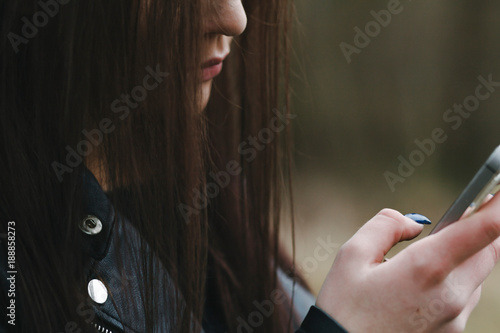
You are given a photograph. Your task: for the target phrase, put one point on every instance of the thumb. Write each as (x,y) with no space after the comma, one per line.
(372,242)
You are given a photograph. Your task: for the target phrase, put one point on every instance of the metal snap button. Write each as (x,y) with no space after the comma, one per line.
(97,291)
(90,225)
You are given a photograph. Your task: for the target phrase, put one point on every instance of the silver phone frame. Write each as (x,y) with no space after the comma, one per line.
(486,180)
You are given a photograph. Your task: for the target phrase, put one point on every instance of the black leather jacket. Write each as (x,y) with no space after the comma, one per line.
(104,231)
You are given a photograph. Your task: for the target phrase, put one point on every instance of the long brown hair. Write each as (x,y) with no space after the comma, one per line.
(62,80)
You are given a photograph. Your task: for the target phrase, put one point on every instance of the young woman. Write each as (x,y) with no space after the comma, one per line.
(141,184)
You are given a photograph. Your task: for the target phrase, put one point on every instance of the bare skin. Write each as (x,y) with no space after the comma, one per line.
(224,20)
(431,286)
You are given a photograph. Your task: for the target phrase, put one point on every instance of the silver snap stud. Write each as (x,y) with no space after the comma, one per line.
(97,291)
(90,225)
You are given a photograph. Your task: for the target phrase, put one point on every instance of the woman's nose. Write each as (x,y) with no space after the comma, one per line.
(226,17)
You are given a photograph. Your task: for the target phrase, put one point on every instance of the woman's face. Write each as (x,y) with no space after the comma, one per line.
(224,20)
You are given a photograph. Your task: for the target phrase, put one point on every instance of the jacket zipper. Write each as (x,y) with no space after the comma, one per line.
(101,329)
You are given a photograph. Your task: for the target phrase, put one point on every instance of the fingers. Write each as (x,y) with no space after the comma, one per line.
(482,263)
(472,209)
(471,305)
(379,235)
(462,240)
(460,322)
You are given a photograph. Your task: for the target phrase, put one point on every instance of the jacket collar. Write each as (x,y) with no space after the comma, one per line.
(99,206)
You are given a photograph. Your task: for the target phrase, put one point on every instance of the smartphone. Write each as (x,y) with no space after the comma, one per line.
(485,182)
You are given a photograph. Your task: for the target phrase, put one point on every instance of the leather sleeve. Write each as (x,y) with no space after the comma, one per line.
(317,321)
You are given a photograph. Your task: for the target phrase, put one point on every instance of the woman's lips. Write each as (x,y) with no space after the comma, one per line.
(211,68)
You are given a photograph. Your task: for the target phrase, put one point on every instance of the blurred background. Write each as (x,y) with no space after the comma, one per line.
(358,119)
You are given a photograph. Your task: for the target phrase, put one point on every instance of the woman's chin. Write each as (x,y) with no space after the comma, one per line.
(206,89)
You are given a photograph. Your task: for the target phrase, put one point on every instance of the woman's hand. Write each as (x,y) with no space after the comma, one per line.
(431,286)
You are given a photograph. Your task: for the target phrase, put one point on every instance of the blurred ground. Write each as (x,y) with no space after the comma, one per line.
(356,119)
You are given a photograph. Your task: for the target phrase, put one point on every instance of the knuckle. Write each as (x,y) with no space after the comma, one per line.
(491,226)
(393,219)
(453,311)
(350,250)
(495,252)
(437,273)
(343,249)
(419,265)
(390,213)
(427,274)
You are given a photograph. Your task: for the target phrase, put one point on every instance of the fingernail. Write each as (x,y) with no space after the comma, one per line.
(419,218)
